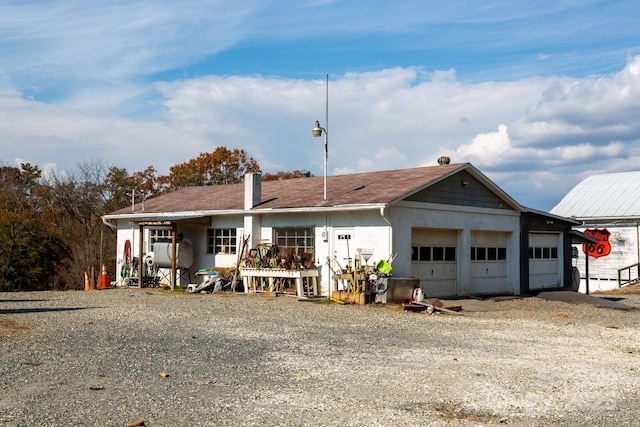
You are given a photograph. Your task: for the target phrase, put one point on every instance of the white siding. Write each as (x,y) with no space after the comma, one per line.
(603,271)
(409,215)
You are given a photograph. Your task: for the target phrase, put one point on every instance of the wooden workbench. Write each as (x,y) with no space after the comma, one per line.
(252,279)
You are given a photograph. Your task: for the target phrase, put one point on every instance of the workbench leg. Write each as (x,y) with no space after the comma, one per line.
(299,287)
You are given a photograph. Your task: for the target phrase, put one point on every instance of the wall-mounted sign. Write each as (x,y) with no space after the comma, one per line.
(600,249)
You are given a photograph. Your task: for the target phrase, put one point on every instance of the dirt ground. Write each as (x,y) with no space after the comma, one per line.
(108,358)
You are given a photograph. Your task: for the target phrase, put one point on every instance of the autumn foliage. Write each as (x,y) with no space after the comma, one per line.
(51,230)
(223,166)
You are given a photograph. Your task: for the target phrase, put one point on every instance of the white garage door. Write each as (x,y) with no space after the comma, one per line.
(433,260)
(489,273)
(544,260)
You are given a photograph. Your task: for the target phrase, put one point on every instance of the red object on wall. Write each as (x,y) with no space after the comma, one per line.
(600,249)
(126,257)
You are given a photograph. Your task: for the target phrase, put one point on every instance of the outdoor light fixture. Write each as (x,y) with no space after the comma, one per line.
(317,132)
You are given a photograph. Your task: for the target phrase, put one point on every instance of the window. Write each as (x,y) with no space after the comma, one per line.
(301,238)
(435,253)
(222,241)
(449,254)
(543,252)
(490,254)
(156,234)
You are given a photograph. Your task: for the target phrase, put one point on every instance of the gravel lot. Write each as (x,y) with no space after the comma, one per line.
(111,357)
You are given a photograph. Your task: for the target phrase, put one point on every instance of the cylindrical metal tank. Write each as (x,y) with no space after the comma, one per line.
(162,254)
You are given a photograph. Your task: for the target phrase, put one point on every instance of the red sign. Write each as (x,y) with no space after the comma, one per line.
(600,249)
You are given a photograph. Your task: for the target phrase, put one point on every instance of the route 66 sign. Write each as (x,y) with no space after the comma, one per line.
(600,249)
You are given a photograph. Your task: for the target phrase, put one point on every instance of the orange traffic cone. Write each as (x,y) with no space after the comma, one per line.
(86,281)
(104,279)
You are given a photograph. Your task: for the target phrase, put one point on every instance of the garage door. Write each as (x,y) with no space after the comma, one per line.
(433,260)
(544,260)
(489,272)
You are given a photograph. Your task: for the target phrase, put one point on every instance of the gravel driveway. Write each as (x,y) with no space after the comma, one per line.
(114,357)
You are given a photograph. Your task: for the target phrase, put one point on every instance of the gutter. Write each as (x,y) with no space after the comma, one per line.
(384,216)
(108,223)
(607,220)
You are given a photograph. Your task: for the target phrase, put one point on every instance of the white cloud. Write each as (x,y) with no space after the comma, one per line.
(387,119)
(533,136)
(486,149)
(95,41)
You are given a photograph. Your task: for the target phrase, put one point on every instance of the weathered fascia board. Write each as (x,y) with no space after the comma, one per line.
(627,220)
(456,208)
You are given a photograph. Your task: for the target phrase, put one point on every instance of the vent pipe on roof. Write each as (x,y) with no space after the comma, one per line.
(444,160)
(252,190)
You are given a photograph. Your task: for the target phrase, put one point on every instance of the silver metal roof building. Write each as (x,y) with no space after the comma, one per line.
(609,197)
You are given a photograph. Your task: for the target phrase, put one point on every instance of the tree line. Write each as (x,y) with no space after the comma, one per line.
(51,228)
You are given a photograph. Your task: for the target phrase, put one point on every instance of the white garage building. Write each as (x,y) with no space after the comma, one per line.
(447,225)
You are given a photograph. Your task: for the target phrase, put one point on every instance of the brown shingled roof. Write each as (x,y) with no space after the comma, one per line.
(380,187)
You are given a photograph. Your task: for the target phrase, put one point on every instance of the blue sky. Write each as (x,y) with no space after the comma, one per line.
(538,95)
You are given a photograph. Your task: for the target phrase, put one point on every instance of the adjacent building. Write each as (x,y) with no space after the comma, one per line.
(607,207)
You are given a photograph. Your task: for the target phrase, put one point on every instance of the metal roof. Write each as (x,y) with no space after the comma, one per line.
(614,196)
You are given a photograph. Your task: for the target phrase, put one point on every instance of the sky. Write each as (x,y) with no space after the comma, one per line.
(537,95)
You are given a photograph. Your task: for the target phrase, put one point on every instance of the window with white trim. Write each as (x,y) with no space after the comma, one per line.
(156,234)
(537,252)
(481,253)
(433,253)
(302,238)
(222,241)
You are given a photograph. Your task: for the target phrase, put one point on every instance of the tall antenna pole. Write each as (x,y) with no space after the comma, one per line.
(326,138)
(326,123)
(317,132)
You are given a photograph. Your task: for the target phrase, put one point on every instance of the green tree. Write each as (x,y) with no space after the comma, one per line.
(118,186)
(30,249)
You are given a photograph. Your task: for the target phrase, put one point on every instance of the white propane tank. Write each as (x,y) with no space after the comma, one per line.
(418,295)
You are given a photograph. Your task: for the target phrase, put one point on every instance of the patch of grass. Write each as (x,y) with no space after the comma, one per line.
(631,290)
(450,412)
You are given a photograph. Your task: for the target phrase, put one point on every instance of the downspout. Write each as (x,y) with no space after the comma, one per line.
(114,228)
(388,221)
(109,224)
